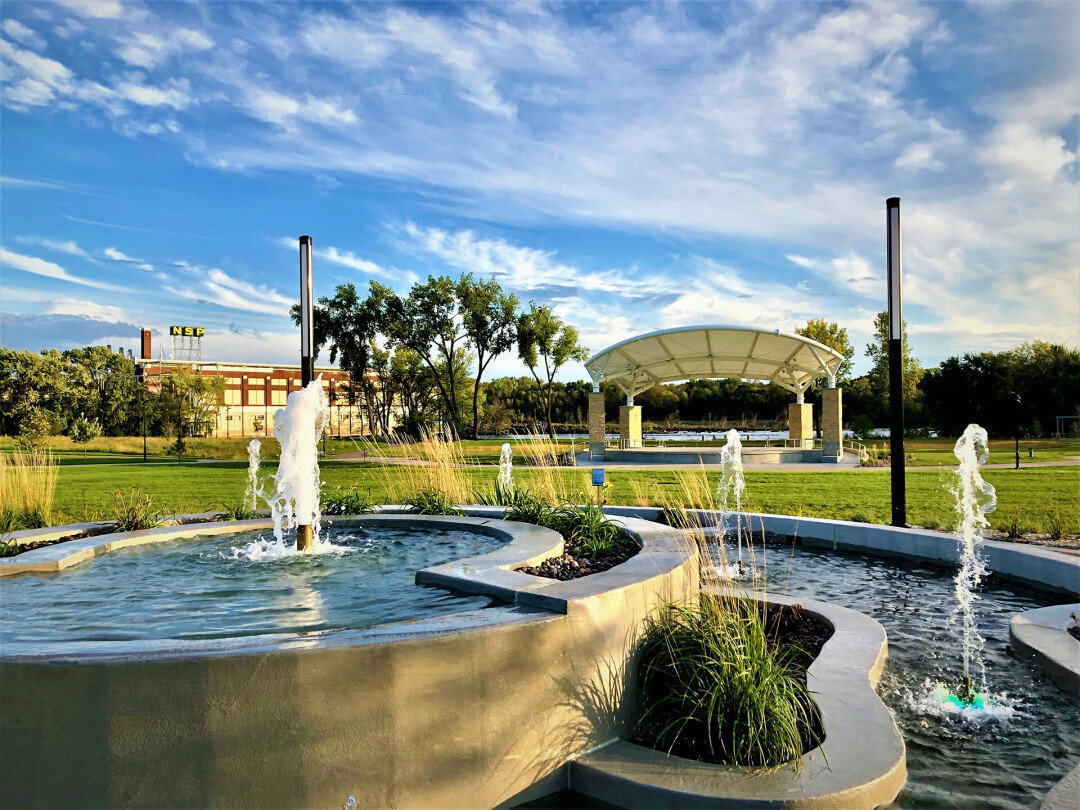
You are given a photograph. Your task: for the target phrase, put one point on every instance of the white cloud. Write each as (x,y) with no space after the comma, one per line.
(40,267)
(214,286)
(69,246)
(88,309)
(22,34)
(18,182)
(146,50)
(177,95)
(99,9)
(114,255)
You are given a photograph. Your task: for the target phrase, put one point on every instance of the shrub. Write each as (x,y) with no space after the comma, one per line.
(8,548)
(27,488)
(528,508)
(710,685)
(1012,527)
(239,510)
(586,529)
(432,502)
(134,512)
(1055,523)
(346,502)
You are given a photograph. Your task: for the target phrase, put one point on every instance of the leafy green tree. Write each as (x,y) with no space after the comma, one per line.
(188,403)
(489,319)
(878,351)
(32,383)
(542,336)
(428,322)
(102,385)
(83,430)
(34,430)
(832,335)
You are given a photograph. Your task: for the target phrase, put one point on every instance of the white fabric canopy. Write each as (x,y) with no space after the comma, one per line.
(708,352)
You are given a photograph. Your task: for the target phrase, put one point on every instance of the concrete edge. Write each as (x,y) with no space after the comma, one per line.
(492,574)
(1036,566)
(1065,795)
(862,762)
(1042,635)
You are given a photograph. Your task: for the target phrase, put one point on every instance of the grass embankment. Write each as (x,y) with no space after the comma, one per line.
(1031,495)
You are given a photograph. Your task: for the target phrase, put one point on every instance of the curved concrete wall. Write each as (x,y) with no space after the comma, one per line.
(480,709)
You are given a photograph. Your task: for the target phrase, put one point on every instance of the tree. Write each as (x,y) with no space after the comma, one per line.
(541,334)
(427,321)
(102,386)
(489,318)
(831,335)
(878,351)
(188,403)
(349,325)
(83,430)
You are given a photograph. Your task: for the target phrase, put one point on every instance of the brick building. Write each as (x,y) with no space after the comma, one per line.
(254,391)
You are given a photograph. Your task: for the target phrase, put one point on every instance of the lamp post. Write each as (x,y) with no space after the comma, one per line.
(896,363)
(228,421)
(304,538)
(1016,429)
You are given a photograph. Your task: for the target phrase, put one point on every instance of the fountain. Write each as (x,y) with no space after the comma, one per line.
(729,492)
(974,499)
(506,470)
(253,490)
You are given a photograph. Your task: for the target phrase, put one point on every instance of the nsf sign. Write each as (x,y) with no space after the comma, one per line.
(187,331)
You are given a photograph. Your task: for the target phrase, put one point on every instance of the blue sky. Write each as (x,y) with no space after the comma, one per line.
(636,166)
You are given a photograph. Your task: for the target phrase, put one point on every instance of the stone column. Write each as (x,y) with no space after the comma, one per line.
(630,426)
(832,430)
(801,424)
(597,425)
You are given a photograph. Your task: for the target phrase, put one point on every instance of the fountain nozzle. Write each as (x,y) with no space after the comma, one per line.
(304,539)
(967,694)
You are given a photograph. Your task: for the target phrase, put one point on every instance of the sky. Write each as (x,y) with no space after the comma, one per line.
(635,166)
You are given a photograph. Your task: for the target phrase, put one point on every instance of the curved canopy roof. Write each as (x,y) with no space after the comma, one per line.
(705,352)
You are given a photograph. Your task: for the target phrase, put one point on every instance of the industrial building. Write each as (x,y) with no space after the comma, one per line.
(253,391)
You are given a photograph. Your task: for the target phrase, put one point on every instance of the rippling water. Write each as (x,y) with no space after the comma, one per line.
(1007,762)
(207,588)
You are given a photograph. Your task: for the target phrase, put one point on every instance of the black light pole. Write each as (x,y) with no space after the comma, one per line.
(304,536)
(896,363)
(1016,430)
(307,367)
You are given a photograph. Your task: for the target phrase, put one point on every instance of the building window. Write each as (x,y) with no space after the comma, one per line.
(277,397)
(232,396)
(255,381)
(256,396)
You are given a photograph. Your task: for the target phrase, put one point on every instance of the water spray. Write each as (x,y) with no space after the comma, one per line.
(975,498)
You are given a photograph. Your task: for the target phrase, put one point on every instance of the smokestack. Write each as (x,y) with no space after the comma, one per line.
(147,348)
(131,355)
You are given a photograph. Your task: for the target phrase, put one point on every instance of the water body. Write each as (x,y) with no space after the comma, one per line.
(1004,759)
(223,586)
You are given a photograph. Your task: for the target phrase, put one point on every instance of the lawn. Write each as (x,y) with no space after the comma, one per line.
(85,493)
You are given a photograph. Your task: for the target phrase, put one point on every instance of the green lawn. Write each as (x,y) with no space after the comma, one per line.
(85,493)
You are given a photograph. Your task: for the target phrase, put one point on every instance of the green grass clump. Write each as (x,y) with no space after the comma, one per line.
(432,502)
(346,502)
(135,511)
(711,688)
(236,510)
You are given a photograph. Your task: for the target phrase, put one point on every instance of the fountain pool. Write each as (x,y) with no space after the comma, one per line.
(239,585)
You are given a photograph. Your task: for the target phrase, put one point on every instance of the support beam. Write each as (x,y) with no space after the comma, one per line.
(832,430)
(629,426)
(597,426)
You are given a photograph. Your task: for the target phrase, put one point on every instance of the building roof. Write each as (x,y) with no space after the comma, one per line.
(706,352)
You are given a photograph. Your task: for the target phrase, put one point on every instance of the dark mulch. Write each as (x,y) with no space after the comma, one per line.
(573,563)
(790,628)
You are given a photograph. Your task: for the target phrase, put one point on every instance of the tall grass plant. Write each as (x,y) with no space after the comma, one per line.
(27,489)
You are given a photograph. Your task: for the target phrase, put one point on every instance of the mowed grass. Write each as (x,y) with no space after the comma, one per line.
(85,493)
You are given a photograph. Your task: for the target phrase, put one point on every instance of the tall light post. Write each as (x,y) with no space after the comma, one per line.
(896,362)
(1016,429)
(304,538)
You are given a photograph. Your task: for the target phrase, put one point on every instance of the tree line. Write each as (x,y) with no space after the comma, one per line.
(421,358)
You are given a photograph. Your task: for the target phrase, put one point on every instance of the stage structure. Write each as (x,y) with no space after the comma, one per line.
(712,352)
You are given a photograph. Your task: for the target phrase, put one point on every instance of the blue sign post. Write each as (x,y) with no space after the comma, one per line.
(598,482)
